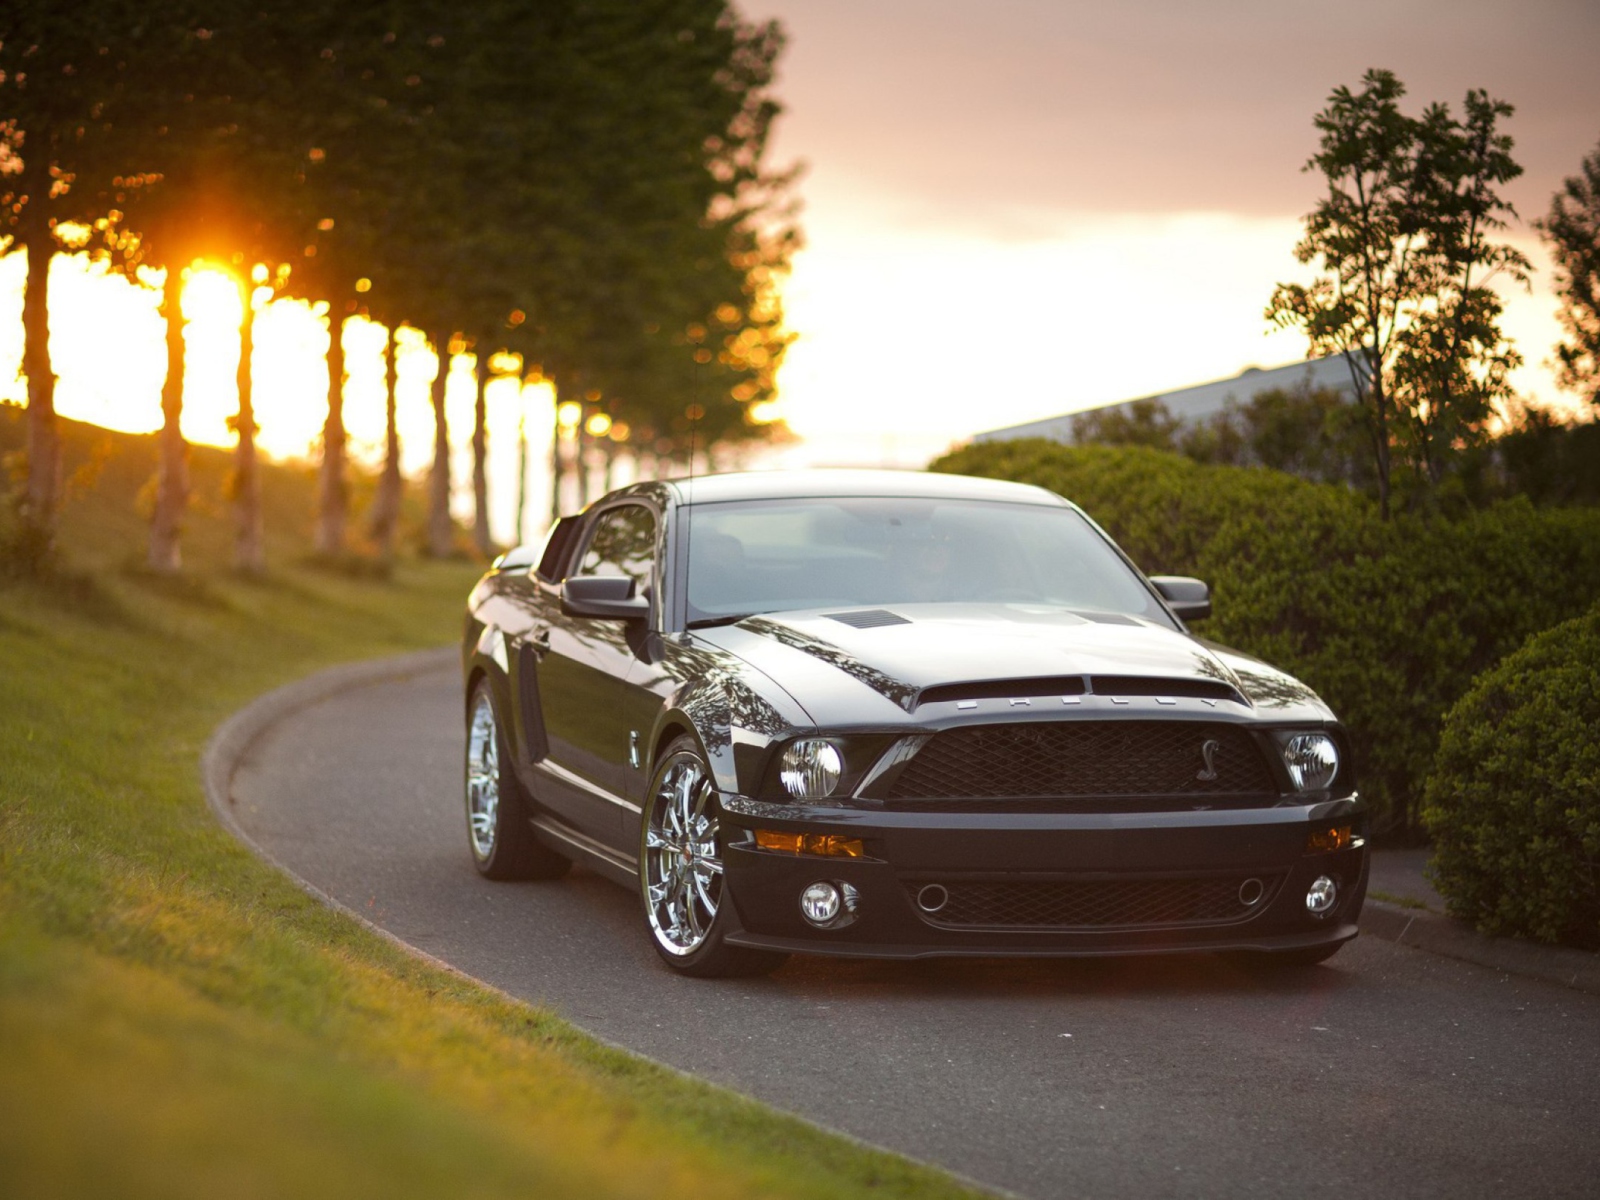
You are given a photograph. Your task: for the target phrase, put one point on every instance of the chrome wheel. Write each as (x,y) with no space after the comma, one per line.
(682,873)
(483,777)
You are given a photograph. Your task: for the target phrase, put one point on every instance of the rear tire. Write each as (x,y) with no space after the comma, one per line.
(681,882)
(502,841)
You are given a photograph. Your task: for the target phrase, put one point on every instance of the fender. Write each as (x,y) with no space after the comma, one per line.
(488,657)
(736,726)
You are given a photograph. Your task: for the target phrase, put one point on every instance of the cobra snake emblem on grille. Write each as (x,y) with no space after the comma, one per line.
(1208,751)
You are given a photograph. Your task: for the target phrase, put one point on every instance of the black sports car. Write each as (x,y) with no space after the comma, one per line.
(896,714)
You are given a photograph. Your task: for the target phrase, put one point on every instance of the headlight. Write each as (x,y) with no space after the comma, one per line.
(810,769)
(1312,759)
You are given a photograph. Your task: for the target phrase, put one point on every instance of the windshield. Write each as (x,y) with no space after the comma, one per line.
(777,555)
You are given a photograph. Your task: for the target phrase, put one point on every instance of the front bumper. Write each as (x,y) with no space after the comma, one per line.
(1041,854)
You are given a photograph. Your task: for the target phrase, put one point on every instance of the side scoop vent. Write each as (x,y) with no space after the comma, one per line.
(867,618)
(1005,689)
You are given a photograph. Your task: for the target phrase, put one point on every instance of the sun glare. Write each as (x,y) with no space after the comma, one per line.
(108,347)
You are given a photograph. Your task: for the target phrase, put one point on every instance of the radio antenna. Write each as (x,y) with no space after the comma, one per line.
(696,408)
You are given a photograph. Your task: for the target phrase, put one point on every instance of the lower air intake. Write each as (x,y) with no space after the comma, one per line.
(1097,904)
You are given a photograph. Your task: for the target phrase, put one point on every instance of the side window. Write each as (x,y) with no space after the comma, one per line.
(623,543)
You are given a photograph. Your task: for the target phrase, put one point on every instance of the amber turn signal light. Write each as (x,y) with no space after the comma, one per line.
(1335,837)
(830,845)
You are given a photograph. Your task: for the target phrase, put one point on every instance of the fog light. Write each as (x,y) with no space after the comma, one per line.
(1321,896)
(819,903)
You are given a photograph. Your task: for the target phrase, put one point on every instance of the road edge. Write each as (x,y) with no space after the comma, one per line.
(1422,929)
(231,741)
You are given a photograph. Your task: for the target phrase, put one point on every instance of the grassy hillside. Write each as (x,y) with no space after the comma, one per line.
(177,1019)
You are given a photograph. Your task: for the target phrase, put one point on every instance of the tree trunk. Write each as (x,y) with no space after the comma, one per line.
(386,504)
(1380,447)
(333,500)
(557,467)
(580,462)
(440,539)
(172,480)
(249,549)
(480,460)
(44,438)
(522,476)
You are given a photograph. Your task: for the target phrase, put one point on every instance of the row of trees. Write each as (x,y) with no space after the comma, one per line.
(579,182)
(1407,245)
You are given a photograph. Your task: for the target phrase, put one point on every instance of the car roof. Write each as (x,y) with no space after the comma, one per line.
(794,485)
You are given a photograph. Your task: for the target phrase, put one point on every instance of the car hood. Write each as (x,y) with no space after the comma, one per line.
(827,664)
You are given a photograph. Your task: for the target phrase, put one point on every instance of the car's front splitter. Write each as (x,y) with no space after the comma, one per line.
(1075,871)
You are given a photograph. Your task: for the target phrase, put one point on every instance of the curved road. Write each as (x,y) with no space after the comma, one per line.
(1388,1071)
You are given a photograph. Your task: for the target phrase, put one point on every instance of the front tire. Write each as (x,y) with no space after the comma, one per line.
(502,842)
(681,880)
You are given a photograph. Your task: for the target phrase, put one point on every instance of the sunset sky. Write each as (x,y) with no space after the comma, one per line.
(1012,209)
(1023,207)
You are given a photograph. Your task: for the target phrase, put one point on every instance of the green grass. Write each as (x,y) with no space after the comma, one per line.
(177,1019)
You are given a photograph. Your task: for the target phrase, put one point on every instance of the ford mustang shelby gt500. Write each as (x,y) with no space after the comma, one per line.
(896,714)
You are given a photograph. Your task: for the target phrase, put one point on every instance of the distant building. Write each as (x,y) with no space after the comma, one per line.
(1195,404)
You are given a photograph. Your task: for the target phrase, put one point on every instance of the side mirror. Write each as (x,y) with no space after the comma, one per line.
(605,596)
(1189,598)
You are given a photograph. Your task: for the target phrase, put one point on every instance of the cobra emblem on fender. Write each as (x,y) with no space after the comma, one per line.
(1208,751)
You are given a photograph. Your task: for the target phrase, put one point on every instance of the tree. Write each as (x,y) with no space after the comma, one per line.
(249,546)
(1402,242)
(384,517)
(223,153)
(1453,362)
(67,73)
(1572,229)
(441,534)
(1145,422)
(1306,431)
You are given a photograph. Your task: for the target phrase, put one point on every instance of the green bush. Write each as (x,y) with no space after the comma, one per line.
(1389,622)
(1514,799)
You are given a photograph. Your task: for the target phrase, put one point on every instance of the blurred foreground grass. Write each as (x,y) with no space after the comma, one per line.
(177,1019)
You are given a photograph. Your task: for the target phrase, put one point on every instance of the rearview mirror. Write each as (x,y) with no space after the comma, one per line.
(606,596)
(1189,599)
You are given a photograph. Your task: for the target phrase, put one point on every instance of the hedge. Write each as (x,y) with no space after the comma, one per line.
(1388,621)
(1514,799)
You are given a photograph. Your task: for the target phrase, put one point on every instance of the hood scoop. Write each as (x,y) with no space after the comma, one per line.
(1074,685)
(867,618)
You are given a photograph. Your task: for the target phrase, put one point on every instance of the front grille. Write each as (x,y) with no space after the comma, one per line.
(1084,758)
(1096,904)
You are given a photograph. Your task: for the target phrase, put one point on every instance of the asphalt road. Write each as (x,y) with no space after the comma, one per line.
(1386,1072)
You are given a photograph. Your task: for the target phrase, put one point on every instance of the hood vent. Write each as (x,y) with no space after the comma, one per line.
(1143,685)
(1004,689)
(867,618)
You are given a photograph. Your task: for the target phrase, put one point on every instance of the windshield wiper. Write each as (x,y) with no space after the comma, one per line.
(730,619)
